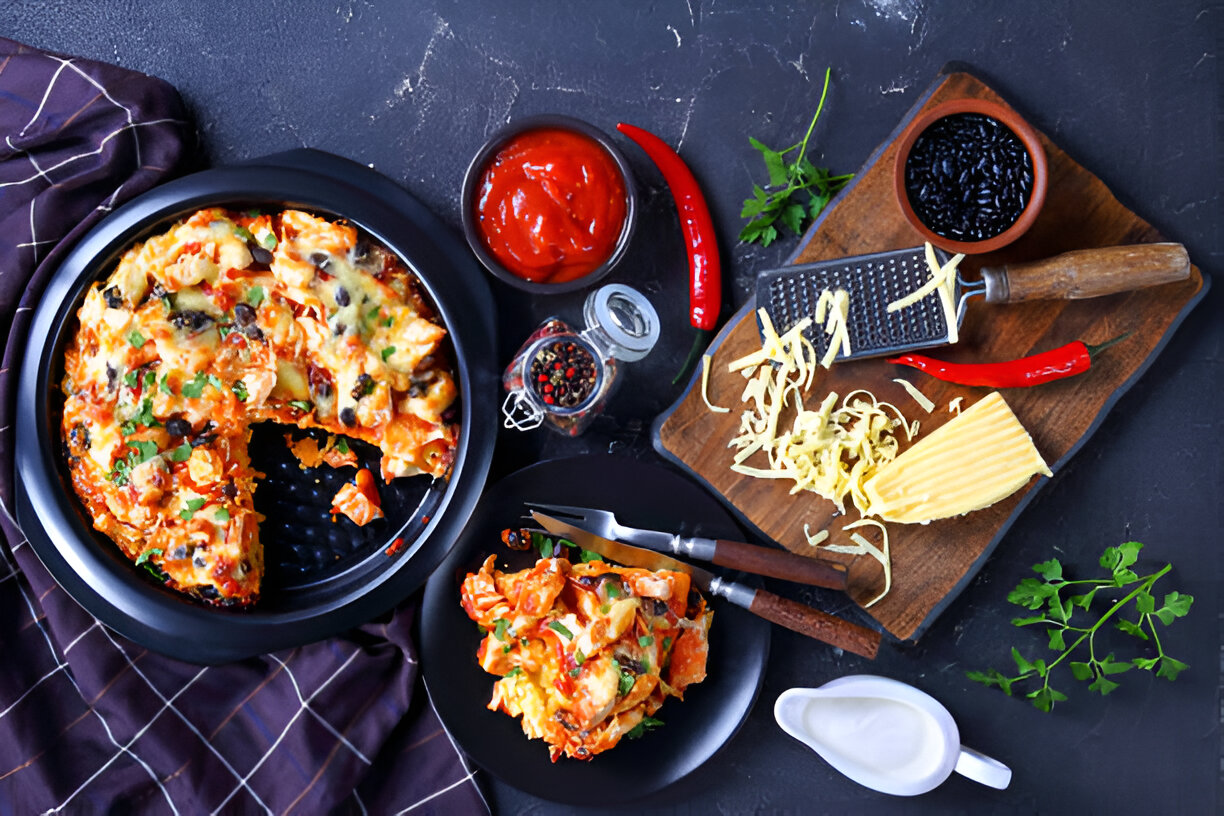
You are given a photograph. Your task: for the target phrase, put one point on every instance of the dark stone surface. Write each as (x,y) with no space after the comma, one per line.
(1132,91)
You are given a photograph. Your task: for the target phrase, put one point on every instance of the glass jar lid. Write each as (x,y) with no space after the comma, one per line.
(620,318)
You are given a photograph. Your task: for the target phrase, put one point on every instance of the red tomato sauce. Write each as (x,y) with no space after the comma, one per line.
(551,205)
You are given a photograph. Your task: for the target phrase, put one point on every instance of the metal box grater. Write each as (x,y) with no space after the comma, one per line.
(872,281)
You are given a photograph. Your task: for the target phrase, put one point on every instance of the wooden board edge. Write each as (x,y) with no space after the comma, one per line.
(1107,407)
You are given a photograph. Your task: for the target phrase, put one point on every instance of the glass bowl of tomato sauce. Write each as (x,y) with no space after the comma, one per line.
(549,204)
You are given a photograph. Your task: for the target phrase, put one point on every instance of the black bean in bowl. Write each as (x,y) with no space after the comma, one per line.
(968,177)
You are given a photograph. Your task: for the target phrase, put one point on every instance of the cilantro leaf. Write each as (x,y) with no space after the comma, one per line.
(135,338)
(240,390)
(145,449)
(560,628)
(255,295)
(182,453)
(646,724)
(147,554)
(387,352)
(192,506)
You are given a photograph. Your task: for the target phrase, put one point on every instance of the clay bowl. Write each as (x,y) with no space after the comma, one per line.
(977,171)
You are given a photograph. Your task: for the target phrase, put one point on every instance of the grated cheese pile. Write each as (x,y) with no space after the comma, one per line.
(830,451)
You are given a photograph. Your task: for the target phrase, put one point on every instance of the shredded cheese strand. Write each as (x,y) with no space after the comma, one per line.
(918,396)
(705,385)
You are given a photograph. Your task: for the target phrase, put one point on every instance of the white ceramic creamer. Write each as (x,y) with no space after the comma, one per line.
(884,734)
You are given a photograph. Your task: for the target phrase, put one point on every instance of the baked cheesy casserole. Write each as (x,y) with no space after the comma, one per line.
(586,652)
(226,319)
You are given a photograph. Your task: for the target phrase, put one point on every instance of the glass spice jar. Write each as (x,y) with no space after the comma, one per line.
(562,377)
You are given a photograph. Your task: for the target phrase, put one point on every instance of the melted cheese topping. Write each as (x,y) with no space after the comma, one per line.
(585,652)
(224,320)
(978,458)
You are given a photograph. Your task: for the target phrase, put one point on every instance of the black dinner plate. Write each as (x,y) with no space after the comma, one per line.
(694,729)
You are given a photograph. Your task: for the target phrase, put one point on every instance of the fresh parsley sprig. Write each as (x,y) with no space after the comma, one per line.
(1066,638)
(778,201)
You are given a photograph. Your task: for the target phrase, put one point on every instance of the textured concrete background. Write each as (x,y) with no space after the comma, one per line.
(1131,90)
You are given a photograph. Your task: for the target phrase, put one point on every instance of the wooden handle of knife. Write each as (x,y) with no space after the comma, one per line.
(816,624)
(779,564)
(1088,273)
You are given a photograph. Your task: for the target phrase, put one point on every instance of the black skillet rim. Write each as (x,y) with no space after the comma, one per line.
(111,589)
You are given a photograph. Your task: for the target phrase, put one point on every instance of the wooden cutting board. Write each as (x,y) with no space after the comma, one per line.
(932,563)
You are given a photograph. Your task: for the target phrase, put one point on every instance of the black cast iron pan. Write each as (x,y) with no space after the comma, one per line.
(322,577)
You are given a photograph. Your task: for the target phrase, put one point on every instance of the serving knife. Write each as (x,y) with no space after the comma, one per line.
(793,615)
(736,555)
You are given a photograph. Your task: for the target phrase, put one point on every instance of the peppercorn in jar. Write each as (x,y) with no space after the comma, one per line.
(561,377)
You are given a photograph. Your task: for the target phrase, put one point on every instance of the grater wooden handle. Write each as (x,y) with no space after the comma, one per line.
(1087,273)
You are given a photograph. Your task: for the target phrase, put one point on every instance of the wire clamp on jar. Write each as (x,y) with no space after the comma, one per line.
(562,378)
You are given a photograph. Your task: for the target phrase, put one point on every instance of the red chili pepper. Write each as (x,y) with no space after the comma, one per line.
(705,269)
(1056,364)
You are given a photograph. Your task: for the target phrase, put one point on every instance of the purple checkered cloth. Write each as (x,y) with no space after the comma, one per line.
(91,722)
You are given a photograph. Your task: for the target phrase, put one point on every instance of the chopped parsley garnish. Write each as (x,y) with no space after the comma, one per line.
(147,554)
(305,406)
(389,322)
(387,352)
(605,609)
(342,445)
(224,330)
(150,379)
(645,640)
(587,556)
(612,589)
(215,381)
(574,672)
(222,515)
(192,506)
(255,295)
(559,628)
(667,642)
(646,724)
(240,390)
(164,386)
(243,233)
(131,378)
(145,415)
(135,338)
(627,679)
(506,649)
(182,453)
(194,388)
(167,303)
(373,313)
(268,241)
(514,671)
(499,628)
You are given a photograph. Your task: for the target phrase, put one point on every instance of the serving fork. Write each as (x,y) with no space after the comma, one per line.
(737,555)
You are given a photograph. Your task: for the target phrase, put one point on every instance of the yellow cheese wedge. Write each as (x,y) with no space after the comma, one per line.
(978,458)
